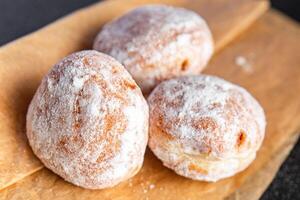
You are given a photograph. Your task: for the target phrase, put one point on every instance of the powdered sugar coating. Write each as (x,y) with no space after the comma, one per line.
(203,127)
(157,42)
(88,121)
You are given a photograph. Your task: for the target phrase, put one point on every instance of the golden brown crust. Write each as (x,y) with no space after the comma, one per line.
(157,42)
(203,127)
(88,121)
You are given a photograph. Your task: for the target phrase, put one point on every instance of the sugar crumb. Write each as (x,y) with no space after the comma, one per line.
(152,186)
(243,62)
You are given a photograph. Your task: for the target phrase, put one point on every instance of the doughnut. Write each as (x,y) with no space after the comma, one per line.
(157,42)
(88,121)
(203,127)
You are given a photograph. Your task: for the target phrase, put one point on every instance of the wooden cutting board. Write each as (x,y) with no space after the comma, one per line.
(271,73)
(25,61)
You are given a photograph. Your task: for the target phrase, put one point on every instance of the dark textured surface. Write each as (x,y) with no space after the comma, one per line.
(19,17)
(289,7)
(286,185)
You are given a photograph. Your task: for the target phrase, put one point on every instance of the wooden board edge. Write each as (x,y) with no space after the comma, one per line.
(264,177)
(18,178)
(262,7)
(255,185)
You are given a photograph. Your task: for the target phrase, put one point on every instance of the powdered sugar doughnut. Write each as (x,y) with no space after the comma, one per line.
(204,128)
(88,121)
(157,42)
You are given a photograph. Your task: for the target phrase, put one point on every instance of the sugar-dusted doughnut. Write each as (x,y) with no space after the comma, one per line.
(157,42)
(203,127)
(88,121)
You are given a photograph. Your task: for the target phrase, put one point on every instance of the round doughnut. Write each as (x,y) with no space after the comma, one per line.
(88,121)
(203,127)
(157,42)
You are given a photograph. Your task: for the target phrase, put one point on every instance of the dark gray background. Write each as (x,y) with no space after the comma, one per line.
(19,17)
